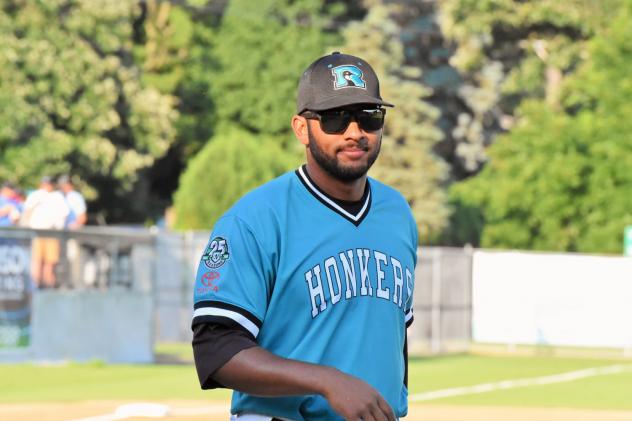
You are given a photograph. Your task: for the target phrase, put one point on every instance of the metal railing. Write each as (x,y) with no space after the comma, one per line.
(91,257)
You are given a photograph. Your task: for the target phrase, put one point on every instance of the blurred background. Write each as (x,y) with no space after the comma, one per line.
(128,127)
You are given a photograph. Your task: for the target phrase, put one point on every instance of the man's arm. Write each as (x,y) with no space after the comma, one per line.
(258,372)
(79,222)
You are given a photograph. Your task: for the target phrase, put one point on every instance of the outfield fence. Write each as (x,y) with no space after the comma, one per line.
(120,290)
(102,306)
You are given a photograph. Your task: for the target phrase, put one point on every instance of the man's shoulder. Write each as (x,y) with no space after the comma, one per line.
(35,197)
(75,195)
(383,191)
(76,201)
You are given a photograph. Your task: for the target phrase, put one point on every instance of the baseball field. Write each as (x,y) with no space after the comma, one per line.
(447,388)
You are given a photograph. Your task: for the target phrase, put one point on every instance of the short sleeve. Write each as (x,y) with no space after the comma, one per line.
(234,278)
(77,203)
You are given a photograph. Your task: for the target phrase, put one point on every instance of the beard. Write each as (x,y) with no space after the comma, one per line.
(332,165)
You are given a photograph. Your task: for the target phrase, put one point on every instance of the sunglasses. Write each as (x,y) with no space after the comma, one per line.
(337,121)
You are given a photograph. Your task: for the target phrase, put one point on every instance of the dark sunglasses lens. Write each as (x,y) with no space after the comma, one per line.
(371,121)
(335,121)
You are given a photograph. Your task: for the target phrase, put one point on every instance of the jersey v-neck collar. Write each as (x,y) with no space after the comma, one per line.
(334,204)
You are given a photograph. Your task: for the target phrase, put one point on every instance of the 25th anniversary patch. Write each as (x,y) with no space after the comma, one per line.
(216,253)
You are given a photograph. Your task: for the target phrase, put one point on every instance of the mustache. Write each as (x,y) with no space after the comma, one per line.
(360,144)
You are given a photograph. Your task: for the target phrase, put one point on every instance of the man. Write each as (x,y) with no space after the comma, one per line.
(305,289)
(44,208)
(76,219)
(76,203)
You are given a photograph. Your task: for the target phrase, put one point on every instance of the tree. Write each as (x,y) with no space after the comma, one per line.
(561,179)
(173,47)
(262,47)
(71,100)
(406,161)
(507,51)
(232,163)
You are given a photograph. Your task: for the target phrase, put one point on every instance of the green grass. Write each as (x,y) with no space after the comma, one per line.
(74,382)
(601,392)
(93,381)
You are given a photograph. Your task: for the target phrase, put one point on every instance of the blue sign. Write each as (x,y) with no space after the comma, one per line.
(15,294)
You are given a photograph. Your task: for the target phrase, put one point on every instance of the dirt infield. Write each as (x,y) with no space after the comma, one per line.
(209,411)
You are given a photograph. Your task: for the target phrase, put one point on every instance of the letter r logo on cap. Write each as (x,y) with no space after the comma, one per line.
(348,76)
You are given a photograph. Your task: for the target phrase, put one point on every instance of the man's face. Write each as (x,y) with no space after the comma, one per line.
(65,187)
(346,156)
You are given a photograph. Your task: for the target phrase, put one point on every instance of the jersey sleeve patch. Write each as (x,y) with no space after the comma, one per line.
(216,253)
(227,315)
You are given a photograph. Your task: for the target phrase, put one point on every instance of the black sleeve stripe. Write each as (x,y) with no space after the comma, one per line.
(225,306)
(409,317)
(410,321)
(406,360)
(223,321)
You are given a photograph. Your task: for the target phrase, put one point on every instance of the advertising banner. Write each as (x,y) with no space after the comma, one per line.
(15,293)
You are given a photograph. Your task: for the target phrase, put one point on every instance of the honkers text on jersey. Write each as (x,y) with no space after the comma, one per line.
(354,266)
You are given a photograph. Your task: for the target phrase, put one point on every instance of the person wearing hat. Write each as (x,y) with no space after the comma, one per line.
(77,216)
(304,291)
(44,209)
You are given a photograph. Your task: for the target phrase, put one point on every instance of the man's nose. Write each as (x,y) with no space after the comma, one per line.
(353,130)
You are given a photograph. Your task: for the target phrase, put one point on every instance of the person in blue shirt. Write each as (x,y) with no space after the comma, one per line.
(77,215)
(304,291)
(10,205)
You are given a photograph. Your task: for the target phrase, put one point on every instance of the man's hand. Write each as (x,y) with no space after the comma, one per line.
(356,400)
(260,373)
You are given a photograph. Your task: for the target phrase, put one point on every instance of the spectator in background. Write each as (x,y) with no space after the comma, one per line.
(10,205)
(75,201)
(45,209)
(76,219)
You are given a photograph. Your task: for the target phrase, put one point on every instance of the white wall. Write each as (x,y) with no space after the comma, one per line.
(114,326)
(552,299)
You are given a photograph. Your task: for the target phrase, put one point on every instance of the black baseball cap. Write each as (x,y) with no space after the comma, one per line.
(337,80)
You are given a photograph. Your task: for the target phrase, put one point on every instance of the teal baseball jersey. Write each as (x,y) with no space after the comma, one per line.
(311,281)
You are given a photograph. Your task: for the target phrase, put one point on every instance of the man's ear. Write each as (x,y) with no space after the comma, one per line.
(299,125)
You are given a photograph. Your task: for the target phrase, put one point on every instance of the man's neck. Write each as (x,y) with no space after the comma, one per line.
(350,191)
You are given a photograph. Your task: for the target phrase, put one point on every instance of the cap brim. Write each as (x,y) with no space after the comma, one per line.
(343,100)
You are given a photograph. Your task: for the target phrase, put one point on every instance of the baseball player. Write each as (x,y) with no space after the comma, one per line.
(304,291)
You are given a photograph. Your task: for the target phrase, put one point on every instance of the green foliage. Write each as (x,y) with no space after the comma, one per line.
(71,100)
(168,35)
(511,50)
(197,108)
(406,161)
(262,49)
(562,180)
(174,49)
(233,162)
